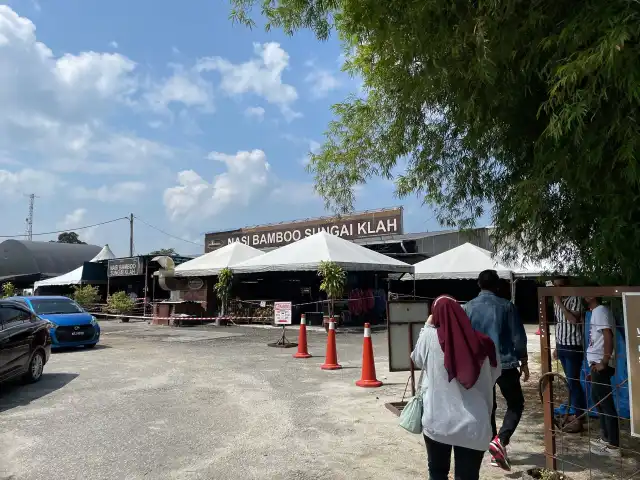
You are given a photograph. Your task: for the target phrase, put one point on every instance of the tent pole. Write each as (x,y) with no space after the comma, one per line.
(513,287)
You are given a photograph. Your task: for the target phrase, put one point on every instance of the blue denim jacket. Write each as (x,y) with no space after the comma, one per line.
(498,319)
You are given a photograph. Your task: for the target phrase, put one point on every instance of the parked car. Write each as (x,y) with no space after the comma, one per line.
(25,342)
(71,325)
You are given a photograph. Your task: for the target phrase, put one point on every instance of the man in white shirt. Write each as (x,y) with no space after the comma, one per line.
(600,356)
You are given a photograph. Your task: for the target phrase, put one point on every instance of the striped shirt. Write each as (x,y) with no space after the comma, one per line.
(568,333)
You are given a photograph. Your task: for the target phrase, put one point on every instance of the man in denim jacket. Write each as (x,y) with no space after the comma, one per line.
(498,318)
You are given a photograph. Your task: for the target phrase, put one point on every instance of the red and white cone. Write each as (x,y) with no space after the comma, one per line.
(302,339)
(368,378)
(331,357)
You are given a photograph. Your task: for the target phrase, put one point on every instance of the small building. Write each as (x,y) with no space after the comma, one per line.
(24,262)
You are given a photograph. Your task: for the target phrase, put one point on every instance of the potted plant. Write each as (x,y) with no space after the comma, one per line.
(333,282)
(223,291)
(120,304)
(8,290)
(86,296)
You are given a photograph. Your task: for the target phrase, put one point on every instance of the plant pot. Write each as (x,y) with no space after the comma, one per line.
(124,319)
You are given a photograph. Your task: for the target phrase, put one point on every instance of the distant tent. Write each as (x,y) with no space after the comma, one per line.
(212,262)
(76,277)
(463,262)
(306,255)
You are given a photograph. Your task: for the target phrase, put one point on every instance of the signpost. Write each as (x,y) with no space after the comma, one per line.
(125,267)
(631,305)
(405,320)
(282,316)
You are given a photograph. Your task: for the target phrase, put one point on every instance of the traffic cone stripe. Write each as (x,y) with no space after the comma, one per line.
(367,332)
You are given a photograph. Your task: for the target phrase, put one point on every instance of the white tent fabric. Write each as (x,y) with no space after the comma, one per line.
(74,277)
(213,262)
(306,255)
(463,262)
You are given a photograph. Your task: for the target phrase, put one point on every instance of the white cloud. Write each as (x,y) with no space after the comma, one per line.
(183,87)
(53,108)
(245,178)
(73,219)
(314,147)
(321,81)
(295,193)
(113,44)
(261,76)
(255,112)
(15,184)
(175,50)
(123,192)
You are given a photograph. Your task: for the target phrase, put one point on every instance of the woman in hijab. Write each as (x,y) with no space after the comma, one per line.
(460,369)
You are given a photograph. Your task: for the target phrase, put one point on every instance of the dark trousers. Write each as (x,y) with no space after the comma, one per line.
(467,461)
(600,388)
(509,383)
(571,357)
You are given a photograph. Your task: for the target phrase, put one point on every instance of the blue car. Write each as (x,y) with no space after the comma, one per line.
(71,326)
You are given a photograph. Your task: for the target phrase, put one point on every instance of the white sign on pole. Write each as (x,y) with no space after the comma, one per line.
(282,313)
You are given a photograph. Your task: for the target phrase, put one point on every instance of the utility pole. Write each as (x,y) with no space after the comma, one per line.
(32,199)
(131,235)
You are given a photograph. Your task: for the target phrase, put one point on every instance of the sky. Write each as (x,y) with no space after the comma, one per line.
(176,115)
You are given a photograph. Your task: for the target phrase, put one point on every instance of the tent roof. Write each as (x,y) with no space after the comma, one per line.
(74,277)
(306,255)
(463,262)
(213,262)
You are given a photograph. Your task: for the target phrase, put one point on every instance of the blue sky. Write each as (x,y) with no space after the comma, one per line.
(174,114)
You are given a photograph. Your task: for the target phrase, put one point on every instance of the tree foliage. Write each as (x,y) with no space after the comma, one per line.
(528,109)
(120,303)
(164,251)
(223,286)
(70,237)
(333,282)
(8,290)
(86,296)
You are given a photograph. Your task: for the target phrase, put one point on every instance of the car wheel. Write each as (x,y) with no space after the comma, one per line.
(36,366)
(91,345)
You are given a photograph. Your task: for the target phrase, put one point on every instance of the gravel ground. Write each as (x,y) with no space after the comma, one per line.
(216,403)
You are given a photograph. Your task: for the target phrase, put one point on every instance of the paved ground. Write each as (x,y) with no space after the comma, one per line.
(205,403)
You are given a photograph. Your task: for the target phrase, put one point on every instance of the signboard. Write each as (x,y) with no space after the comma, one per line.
(282,313)
(405,321)
(360,225)
(631,305)
(125,267)
(195,283)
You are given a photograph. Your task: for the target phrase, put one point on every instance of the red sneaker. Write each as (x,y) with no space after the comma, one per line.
(499,453)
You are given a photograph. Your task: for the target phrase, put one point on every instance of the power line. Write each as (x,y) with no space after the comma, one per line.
(168,234)
(68,229)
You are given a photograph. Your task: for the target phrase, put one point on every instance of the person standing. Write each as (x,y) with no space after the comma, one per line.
(567,312)
(499,320)
(460,368)
(601,359)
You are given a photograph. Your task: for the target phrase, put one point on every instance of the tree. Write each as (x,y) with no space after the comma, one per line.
(8,290)
(223,290)
(70,237)
(526,109)
(333,281)
(164,251)
(121,304)
(86,296)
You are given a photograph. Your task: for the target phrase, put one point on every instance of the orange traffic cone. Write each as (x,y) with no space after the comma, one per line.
(331,358)
(368,377)
(302,339)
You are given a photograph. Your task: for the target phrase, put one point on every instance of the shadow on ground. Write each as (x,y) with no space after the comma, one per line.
(14,394)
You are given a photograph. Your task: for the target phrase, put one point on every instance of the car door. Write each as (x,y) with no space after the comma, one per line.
(16,338)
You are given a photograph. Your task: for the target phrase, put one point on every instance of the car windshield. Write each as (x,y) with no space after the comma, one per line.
(54,306)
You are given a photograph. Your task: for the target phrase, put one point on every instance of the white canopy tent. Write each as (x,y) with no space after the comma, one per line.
(306,255)
(74,277)
(212,262)
(462,262)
